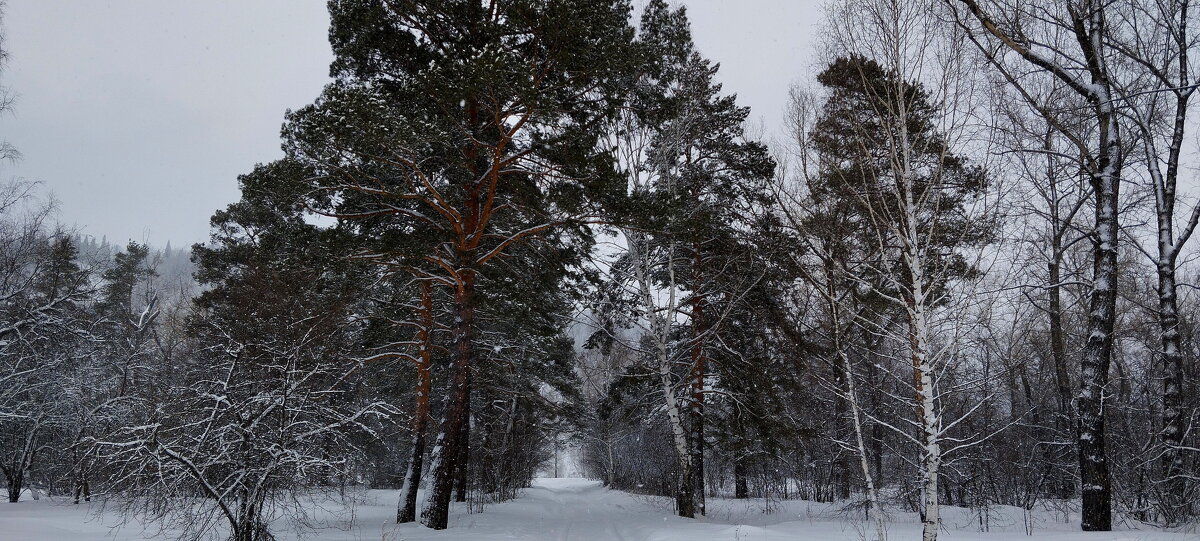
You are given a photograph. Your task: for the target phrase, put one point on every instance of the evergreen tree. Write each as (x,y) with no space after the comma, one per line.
(128,323)
(264,407)
(695,182)
(454,131)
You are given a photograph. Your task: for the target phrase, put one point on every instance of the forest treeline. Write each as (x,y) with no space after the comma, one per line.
(962,276)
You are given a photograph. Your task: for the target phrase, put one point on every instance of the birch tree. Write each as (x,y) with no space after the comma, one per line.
(886,133)
(829,246)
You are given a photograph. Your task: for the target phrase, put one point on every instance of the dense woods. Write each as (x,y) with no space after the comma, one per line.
(510,233)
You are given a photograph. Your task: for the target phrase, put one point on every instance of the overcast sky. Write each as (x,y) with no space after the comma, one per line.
(138,115)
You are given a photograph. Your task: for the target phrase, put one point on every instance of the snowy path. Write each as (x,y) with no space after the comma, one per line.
(576,510)
(583,510)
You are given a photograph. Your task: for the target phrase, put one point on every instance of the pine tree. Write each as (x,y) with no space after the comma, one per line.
(454,131)
(128,323)
(694,181)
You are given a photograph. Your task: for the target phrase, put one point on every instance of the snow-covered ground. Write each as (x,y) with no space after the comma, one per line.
(581,510)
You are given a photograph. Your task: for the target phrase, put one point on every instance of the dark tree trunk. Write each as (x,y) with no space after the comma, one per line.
(1173,472)
(407,511)
(698,371)
(685,501)
(463,462)
(1064,481)
(446,447)
(412,477)
(1058,346)
(740,488)
(842,462)
(16,482)
(82,487)
(1097,352)
(697,481)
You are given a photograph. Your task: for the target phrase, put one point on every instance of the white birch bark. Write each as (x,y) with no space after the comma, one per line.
(659,321)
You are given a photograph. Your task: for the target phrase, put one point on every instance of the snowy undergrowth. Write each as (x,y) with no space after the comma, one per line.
(580,510)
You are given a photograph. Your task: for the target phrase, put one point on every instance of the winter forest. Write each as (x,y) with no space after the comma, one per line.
(518,241)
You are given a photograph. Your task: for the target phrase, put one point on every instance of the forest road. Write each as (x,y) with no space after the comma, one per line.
(581,510)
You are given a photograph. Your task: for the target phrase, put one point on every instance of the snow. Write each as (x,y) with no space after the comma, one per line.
(579,510)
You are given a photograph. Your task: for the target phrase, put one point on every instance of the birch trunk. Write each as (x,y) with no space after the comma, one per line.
(874,513)
(660,329)
(915,292)
(927,414)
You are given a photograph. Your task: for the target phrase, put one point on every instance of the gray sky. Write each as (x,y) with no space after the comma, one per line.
(138,115)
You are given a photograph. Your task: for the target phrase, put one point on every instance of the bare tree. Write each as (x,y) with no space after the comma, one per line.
(826,264)
(1158,39)
(245,426)
(1072,43)
(7,150)
(43,330)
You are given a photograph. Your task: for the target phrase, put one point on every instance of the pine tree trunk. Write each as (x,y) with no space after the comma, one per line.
(463,462)
(412,477)
(446,447)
